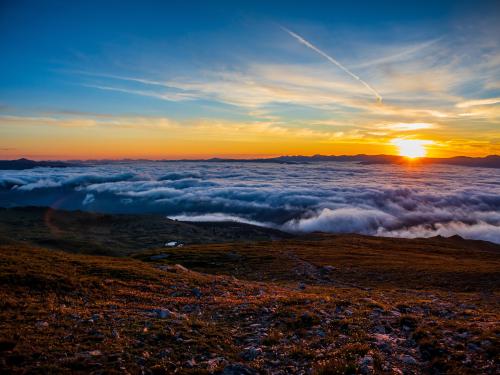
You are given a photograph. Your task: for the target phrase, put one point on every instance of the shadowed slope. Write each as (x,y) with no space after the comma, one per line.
(104,234)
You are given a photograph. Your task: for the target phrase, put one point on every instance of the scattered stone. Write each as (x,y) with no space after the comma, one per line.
(215,362)
(95,317)
(486,343)
(408,360)
(164,353)
(251,353)
(196,292)
(163,313)
(42,324)
(327,269)
(366,364)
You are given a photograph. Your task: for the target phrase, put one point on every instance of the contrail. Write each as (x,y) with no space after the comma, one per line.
(333,61)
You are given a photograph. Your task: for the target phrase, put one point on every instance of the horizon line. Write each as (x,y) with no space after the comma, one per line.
(256,158)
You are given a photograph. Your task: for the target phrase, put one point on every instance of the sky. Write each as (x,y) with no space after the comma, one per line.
(169,80)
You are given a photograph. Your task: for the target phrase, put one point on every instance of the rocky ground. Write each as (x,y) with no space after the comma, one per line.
(317,305)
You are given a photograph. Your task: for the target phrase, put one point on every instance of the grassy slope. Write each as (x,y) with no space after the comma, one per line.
(450,264)
(118,235)
(434,300)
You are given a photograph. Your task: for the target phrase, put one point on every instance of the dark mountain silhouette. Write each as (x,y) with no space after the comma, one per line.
(29,164)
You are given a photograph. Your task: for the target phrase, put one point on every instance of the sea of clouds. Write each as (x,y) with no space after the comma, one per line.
(383,200)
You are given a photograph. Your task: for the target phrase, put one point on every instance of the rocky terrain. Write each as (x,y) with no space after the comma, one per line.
(318,304)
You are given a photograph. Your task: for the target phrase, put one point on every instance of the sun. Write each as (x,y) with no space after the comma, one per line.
(411,148)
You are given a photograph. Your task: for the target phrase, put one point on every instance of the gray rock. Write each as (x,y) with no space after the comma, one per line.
(408,360)
(366,364)
(196,292)
(163,313)
(327,269)
(251,353)
(42,324)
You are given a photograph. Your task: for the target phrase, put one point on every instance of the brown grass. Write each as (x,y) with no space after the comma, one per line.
(436,300)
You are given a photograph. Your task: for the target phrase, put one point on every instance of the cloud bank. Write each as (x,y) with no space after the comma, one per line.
(383,200)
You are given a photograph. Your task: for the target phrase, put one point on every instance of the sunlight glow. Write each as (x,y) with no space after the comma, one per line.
(411,148)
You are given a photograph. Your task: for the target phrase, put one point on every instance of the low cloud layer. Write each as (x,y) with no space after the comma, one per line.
(384,200)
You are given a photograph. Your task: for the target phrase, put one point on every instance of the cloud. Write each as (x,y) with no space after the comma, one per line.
(217,217)
(342,220)
(478,102)
(89,198)
(173,97)
(480,230)
(333,61)
(402,126)
(384,200)
(78,181)
(399,54)
(68,120)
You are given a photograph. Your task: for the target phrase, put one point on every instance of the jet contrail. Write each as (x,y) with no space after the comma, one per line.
(333,61)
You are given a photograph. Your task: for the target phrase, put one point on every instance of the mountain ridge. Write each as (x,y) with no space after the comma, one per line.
(490,161)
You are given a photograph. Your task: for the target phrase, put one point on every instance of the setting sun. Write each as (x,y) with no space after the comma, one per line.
(411,148)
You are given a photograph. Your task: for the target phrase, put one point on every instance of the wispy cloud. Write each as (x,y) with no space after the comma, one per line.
(174,97)
(90,120)
(478,102)
(401,126)
(398,55)
(333,61)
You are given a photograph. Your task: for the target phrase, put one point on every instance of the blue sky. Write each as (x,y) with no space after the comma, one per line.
(220,78)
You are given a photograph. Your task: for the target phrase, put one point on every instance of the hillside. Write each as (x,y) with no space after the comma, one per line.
(103,234)
(321,304)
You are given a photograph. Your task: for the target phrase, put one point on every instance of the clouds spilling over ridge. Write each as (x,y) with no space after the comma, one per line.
(384,200)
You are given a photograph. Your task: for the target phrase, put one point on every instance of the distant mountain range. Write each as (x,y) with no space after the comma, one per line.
(29,164)
(491,161)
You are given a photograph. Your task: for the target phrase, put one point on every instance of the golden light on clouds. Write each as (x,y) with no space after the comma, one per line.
(411,148)
(407,126)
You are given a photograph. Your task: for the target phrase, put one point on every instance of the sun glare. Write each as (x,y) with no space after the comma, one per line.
(411,148)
